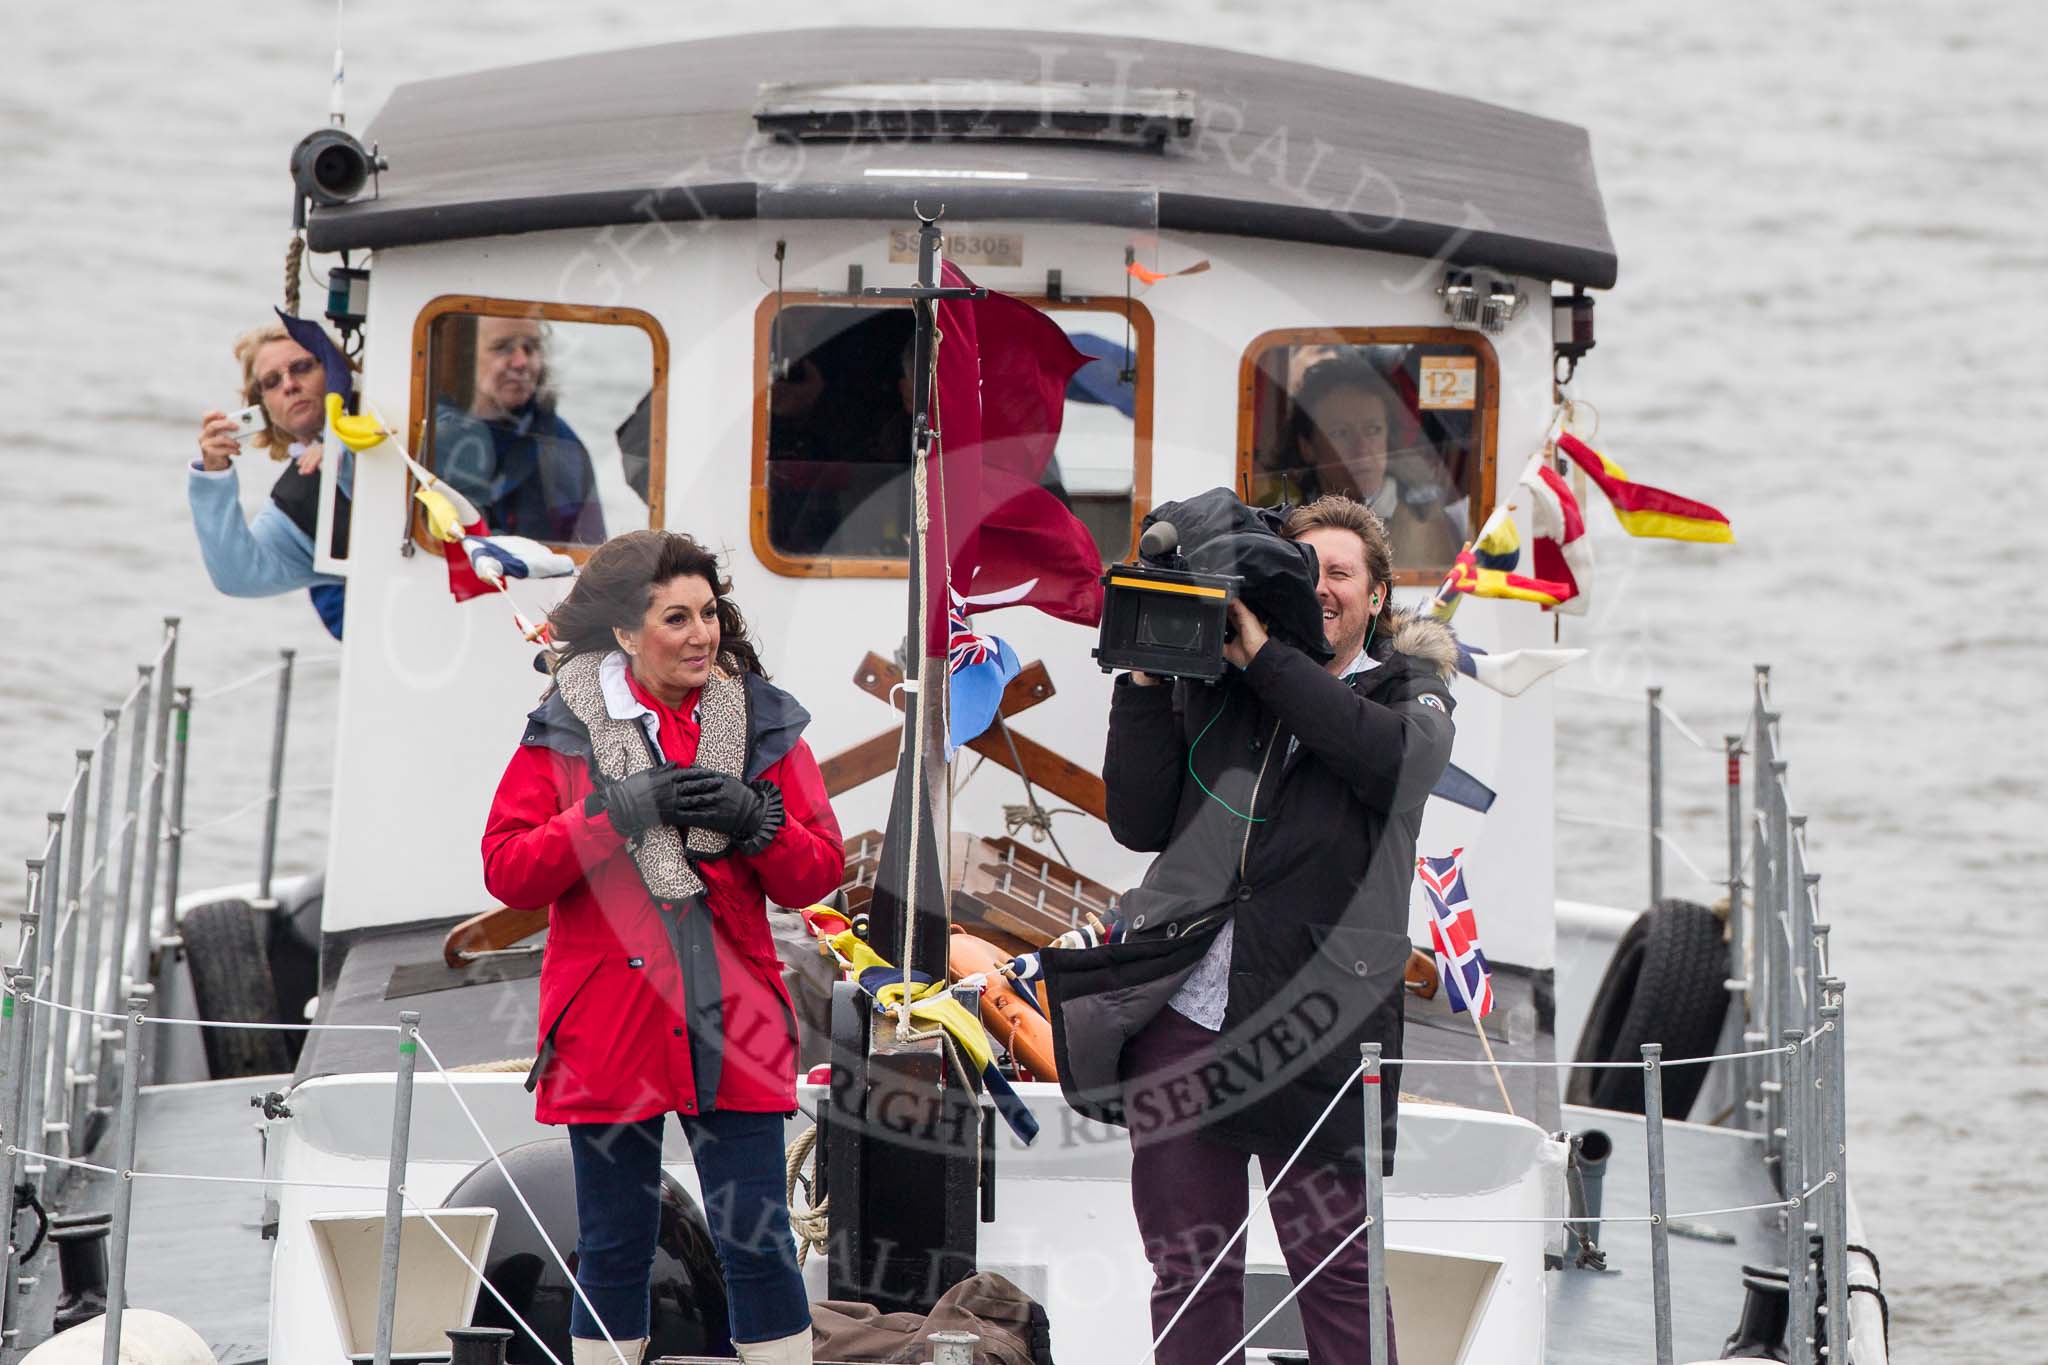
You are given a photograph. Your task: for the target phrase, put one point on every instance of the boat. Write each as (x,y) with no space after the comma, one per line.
(699,230)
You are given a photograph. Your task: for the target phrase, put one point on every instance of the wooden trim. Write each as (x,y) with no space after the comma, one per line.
(1034,762)
(862,762)
(477,305)
(490,931)
(871,758)
(851,566)
(1488,407)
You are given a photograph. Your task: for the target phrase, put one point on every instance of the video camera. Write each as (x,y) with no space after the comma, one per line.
(1170,622)
(1168,611)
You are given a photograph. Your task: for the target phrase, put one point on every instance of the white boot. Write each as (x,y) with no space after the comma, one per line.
(598,1351)
(794,1349)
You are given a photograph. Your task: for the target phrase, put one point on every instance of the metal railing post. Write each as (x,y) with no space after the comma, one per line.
(1798,1264)
(124,1187)
(394,1180)
(1763,981)
(268,855)
(152,828)
(1816,939)
(13,1112)
(1816,947)
(125,887)
(1660,1231)
(1835,1147)
(36,1133)
(1375,1210)
(1771,924)
(64,989)
(1799,918)
(1741,975)
(85,1095)
(1787,936)
(174,850)
(1656,795)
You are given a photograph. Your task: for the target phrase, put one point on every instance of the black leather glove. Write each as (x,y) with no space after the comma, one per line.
(750,812)
(639,801)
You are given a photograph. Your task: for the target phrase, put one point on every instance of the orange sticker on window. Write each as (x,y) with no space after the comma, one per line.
(1449,382)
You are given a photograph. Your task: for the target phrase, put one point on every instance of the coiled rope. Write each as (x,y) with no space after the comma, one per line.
(812,1224)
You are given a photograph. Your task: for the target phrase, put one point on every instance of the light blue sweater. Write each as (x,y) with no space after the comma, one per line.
(260,557)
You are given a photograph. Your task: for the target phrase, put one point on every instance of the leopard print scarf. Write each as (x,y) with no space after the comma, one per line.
(664,854)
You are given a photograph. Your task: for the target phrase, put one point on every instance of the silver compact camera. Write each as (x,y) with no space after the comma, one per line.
(248,422)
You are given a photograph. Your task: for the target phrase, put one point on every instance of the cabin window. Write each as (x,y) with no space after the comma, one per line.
(1400,418)
(549,417)
(832,486)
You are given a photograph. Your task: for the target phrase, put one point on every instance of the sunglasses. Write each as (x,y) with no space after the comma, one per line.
(301,368)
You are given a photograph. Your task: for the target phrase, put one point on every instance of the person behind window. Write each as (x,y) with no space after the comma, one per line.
(271,552)
(660,795)
(1343,415)
(508,451)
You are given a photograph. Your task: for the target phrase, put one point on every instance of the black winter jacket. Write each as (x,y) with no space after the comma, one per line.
(1317,880)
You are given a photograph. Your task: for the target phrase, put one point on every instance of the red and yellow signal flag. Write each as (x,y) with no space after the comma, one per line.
(1641,509)
(1467,577)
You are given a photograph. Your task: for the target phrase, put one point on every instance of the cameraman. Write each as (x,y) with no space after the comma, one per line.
(1268,939)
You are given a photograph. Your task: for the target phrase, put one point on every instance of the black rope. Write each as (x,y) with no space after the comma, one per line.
(1884,1310)
(25,1198)
(1875,1268)
(1876,1291)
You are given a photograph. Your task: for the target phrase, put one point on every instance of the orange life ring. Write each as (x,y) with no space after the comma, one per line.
(1004,1012)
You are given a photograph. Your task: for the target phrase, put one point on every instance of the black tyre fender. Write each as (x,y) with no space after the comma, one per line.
(227,954)
(1666,983)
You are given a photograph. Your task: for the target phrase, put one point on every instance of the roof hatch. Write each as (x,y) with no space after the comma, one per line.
(976,111)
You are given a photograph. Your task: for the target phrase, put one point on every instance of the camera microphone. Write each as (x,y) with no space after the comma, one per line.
(1160,538)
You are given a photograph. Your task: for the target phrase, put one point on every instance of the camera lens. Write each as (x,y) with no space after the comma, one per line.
(1169,625)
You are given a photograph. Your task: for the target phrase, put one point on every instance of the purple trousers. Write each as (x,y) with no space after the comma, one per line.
(1190,1192)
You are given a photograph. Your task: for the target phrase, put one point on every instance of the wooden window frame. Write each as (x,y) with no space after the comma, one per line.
(1487,405)
(868,566)
(478,305)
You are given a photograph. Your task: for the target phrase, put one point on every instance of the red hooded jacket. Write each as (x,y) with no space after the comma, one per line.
(643,1012)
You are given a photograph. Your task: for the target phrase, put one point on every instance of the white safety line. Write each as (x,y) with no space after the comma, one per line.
(98,1169)
(1343,1092)
(1782,1051)
(258,1180)
(455,1091)
(1686,730)
(1665,837)
(477,1271)
(208,694)
(1245,1340)
(213,1023)
(223,818)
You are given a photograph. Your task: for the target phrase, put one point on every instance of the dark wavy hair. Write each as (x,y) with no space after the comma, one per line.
(1339,372)
(616,586)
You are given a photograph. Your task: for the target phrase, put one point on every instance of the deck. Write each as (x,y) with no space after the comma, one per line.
(197,1249)
(1606,1317)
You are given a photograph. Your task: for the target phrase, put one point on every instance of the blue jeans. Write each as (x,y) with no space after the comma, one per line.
(739,1161)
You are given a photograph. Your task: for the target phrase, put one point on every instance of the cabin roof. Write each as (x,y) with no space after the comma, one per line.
(1278,150)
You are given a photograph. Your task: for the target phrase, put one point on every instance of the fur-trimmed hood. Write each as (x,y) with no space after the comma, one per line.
(1425,639)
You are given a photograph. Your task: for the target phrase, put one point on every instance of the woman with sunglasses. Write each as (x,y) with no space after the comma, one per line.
(271,552)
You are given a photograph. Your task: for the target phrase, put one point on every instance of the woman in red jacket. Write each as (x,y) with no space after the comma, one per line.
(661,793)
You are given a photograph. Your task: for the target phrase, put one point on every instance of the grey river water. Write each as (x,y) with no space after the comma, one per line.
(1830,323)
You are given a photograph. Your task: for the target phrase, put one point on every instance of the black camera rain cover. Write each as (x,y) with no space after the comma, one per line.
(1221,534)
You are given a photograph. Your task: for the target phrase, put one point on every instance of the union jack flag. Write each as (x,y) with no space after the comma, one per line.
(1454,933)
(964,648)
